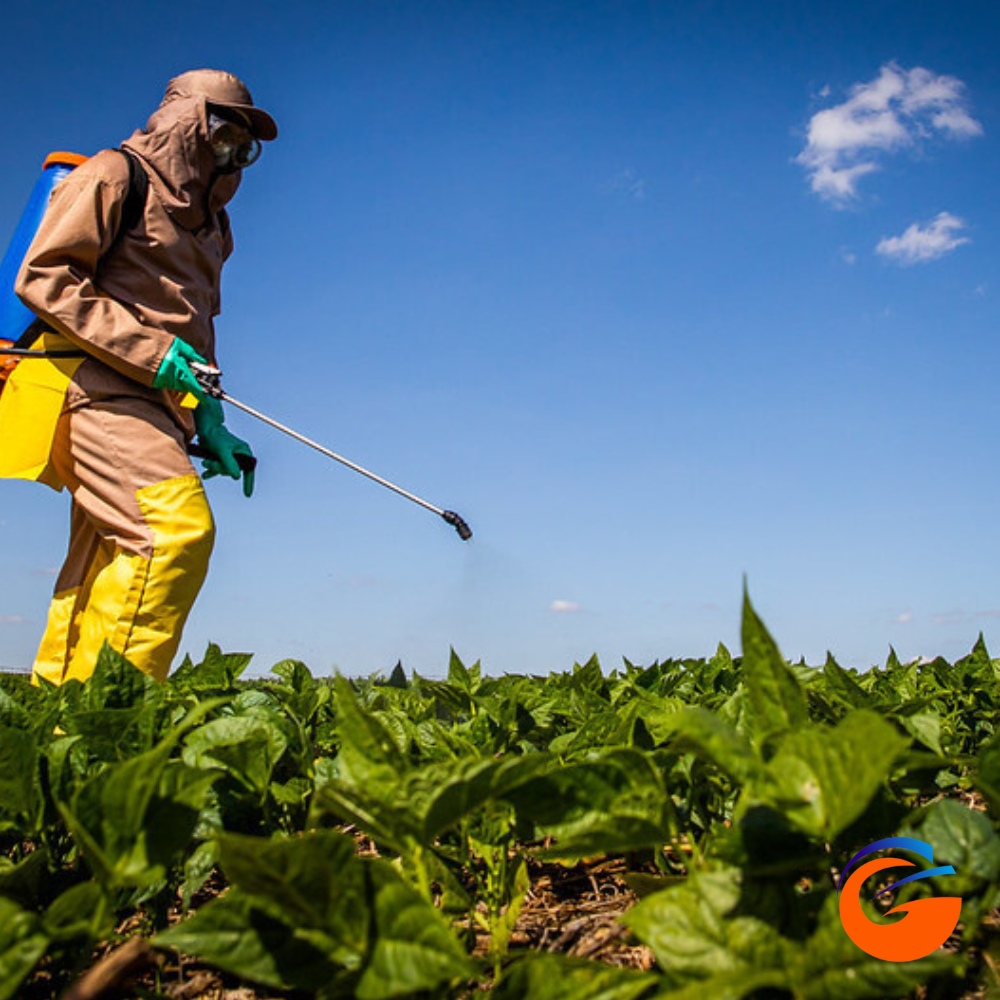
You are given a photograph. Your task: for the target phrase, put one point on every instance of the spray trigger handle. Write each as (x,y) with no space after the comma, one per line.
(209,378)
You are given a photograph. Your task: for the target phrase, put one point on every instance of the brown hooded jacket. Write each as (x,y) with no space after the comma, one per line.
(123,297)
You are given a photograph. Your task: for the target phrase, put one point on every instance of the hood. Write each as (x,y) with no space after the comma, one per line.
(175,148)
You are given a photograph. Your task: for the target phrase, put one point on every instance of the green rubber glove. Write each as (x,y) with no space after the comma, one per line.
(175,371)
(226,447)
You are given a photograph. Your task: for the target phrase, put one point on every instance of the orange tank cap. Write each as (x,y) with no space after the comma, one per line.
(64,159)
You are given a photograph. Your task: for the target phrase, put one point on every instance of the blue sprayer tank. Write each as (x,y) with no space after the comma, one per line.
(15,316)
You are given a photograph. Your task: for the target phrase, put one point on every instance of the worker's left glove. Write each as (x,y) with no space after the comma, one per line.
(231,456)
(175,370)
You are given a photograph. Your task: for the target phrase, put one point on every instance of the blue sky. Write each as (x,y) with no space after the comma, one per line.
(656,295)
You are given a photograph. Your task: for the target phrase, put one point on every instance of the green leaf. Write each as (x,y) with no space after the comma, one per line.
(843,686)
(713,739)
(314,883)
(386,819)
(81,914)
(987,775)
(296,674)
(822,779)
(830,966)
(778,701)
(543,976)
(692,933)
(614,801)
(217,670)
(413,948)
(368,754)
(234,934)
(132,818)
(925,727)
(22,882)
(706,950)
(446,793)
(22,945)
(19,799)
(247,748)
(115,682)
(462,677)
(964,838)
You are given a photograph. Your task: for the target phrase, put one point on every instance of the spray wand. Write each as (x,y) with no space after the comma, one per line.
(209,379)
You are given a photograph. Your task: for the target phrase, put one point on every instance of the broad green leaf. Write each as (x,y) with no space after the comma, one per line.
(107,817)
(822,779)
(296,674)
(462,677)
(964,838)
(115,682)
(386,819)
(132,818)
(613,802)
(694,936)
(247,748)
(81,914)
(22,945)
(925,727)
(217,670)
(706,950)
(778,701)
(23,882)
(234,934)
(19,799)
(13,713)
(713,739)
(987,775)
(444,794)
(368,754)
(314,883)
(545,976)
(830,966)
(413,948)
(843,686)
(978,663)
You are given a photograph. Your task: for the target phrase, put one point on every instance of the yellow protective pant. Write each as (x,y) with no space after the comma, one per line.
(141,533)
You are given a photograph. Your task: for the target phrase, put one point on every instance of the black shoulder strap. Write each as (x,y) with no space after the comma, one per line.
(135,200)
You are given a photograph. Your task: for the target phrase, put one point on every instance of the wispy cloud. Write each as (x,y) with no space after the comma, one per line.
(561,607)
(955,617)
(12,620)
(627,182)
(920,244)
(896,110)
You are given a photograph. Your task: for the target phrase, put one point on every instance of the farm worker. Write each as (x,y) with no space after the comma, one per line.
(140,304)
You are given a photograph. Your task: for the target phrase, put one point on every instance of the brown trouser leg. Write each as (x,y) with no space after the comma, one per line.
(141,534)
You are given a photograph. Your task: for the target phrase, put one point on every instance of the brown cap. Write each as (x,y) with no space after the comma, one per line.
(225,90)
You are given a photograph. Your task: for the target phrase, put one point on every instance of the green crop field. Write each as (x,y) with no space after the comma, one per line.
(675,830)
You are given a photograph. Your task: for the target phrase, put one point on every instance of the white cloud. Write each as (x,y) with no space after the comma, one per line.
(920,244)
(629,183)
(564,607)
(905,618)
(956,617)
(893,111)
(12,620)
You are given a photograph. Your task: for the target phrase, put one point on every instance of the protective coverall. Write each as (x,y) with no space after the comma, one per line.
(141,530)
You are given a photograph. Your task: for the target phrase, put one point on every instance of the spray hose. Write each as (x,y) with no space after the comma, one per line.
(209,379)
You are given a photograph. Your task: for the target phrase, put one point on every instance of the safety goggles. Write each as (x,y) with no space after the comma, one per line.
(233,144)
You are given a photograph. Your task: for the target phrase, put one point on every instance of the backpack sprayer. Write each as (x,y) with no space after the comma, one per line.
(209,379)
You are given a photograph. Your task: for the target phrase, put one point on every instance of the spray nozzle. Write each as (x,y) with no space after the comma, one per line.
(464,531)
